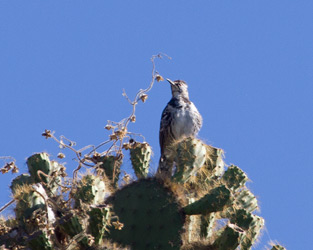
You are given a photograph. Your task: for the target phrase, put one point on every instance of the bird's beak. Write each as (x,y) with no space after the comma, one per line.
(170,81)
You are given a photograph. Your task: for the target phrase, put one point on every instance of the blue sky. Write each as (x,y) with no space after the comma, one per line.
(249,66)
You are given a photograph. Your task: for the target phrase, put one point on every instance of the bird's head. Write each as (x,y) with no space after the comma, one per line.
(179,88)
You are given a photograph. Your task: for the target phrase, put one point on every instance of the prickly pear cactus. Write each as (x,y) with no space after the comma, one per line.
(199,204)
(152,216)
(111,165)
(40,240)
(42,170)
(99,223)
(229,238)
(28,201)
(23,179)
(39,166)
(140,155)
(91,189)
(184,210)
(278,247)
(234,178)
(189,156)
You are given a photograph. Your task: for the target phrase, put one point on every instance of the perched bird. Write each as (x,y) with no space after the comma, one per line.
(180,119)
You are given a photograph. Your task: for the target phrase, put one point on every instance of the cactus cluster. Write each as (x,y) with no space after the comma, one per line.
(49,217)
(202,205)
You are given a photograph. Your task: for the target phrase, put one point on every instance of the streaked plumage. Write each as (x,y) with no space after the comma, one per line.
(180,119)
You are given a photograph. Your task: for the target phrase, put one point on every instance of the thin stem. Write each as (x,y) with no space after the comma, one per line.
(6,205)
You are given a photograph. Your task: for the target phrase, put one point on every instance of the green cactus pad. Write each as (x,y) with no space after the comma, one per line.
(55,176)
(214,201)
(111,165)
(140,156)
(215,163)
(253,231)
(207,225)
(250,223)
(229,239)
(90,190)
(246,200)
(98,222)
(43,170)
(39,162)
(23,179)
(278,247)
(150,214)
(27,201)
(72,226)
(210,172)
(191,154)
(234,178)
(242,219)
(39,241)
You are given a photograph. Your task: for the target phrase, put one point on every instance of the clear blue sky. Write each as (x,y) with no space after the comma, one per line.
(249,66)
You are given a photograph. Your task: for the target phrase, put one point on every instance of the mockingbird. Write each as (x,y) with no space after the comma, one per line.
(180,119)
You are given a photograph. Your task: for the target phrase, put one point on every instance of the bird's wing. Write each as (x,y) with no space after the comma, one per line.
(165,126)
(199,120)
(197,116)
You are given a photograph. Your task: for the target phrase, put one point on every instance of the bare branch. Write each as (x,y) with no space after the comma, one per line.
(6,205)
(118,129)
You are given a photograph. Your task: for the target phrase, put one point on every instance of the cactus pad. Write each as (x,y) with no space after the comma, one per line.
(214,201)
(99,218)
(246,200)
(229,239)
(23,179)
(39,162)
(234,178)
(150,214)
(278,247)
(111,165)
(190,156)
(39,241)
(91,190)
(140,156)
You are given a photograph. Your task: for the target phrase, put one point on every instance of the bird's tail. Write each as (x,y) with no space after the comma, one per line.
(165,166)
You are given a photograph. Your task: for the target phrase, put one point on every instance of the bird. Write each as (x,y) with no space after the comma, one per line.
(180,119)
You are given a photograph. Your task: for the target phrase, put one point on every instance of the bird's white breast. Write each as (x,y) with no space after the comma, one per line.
(185,122)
